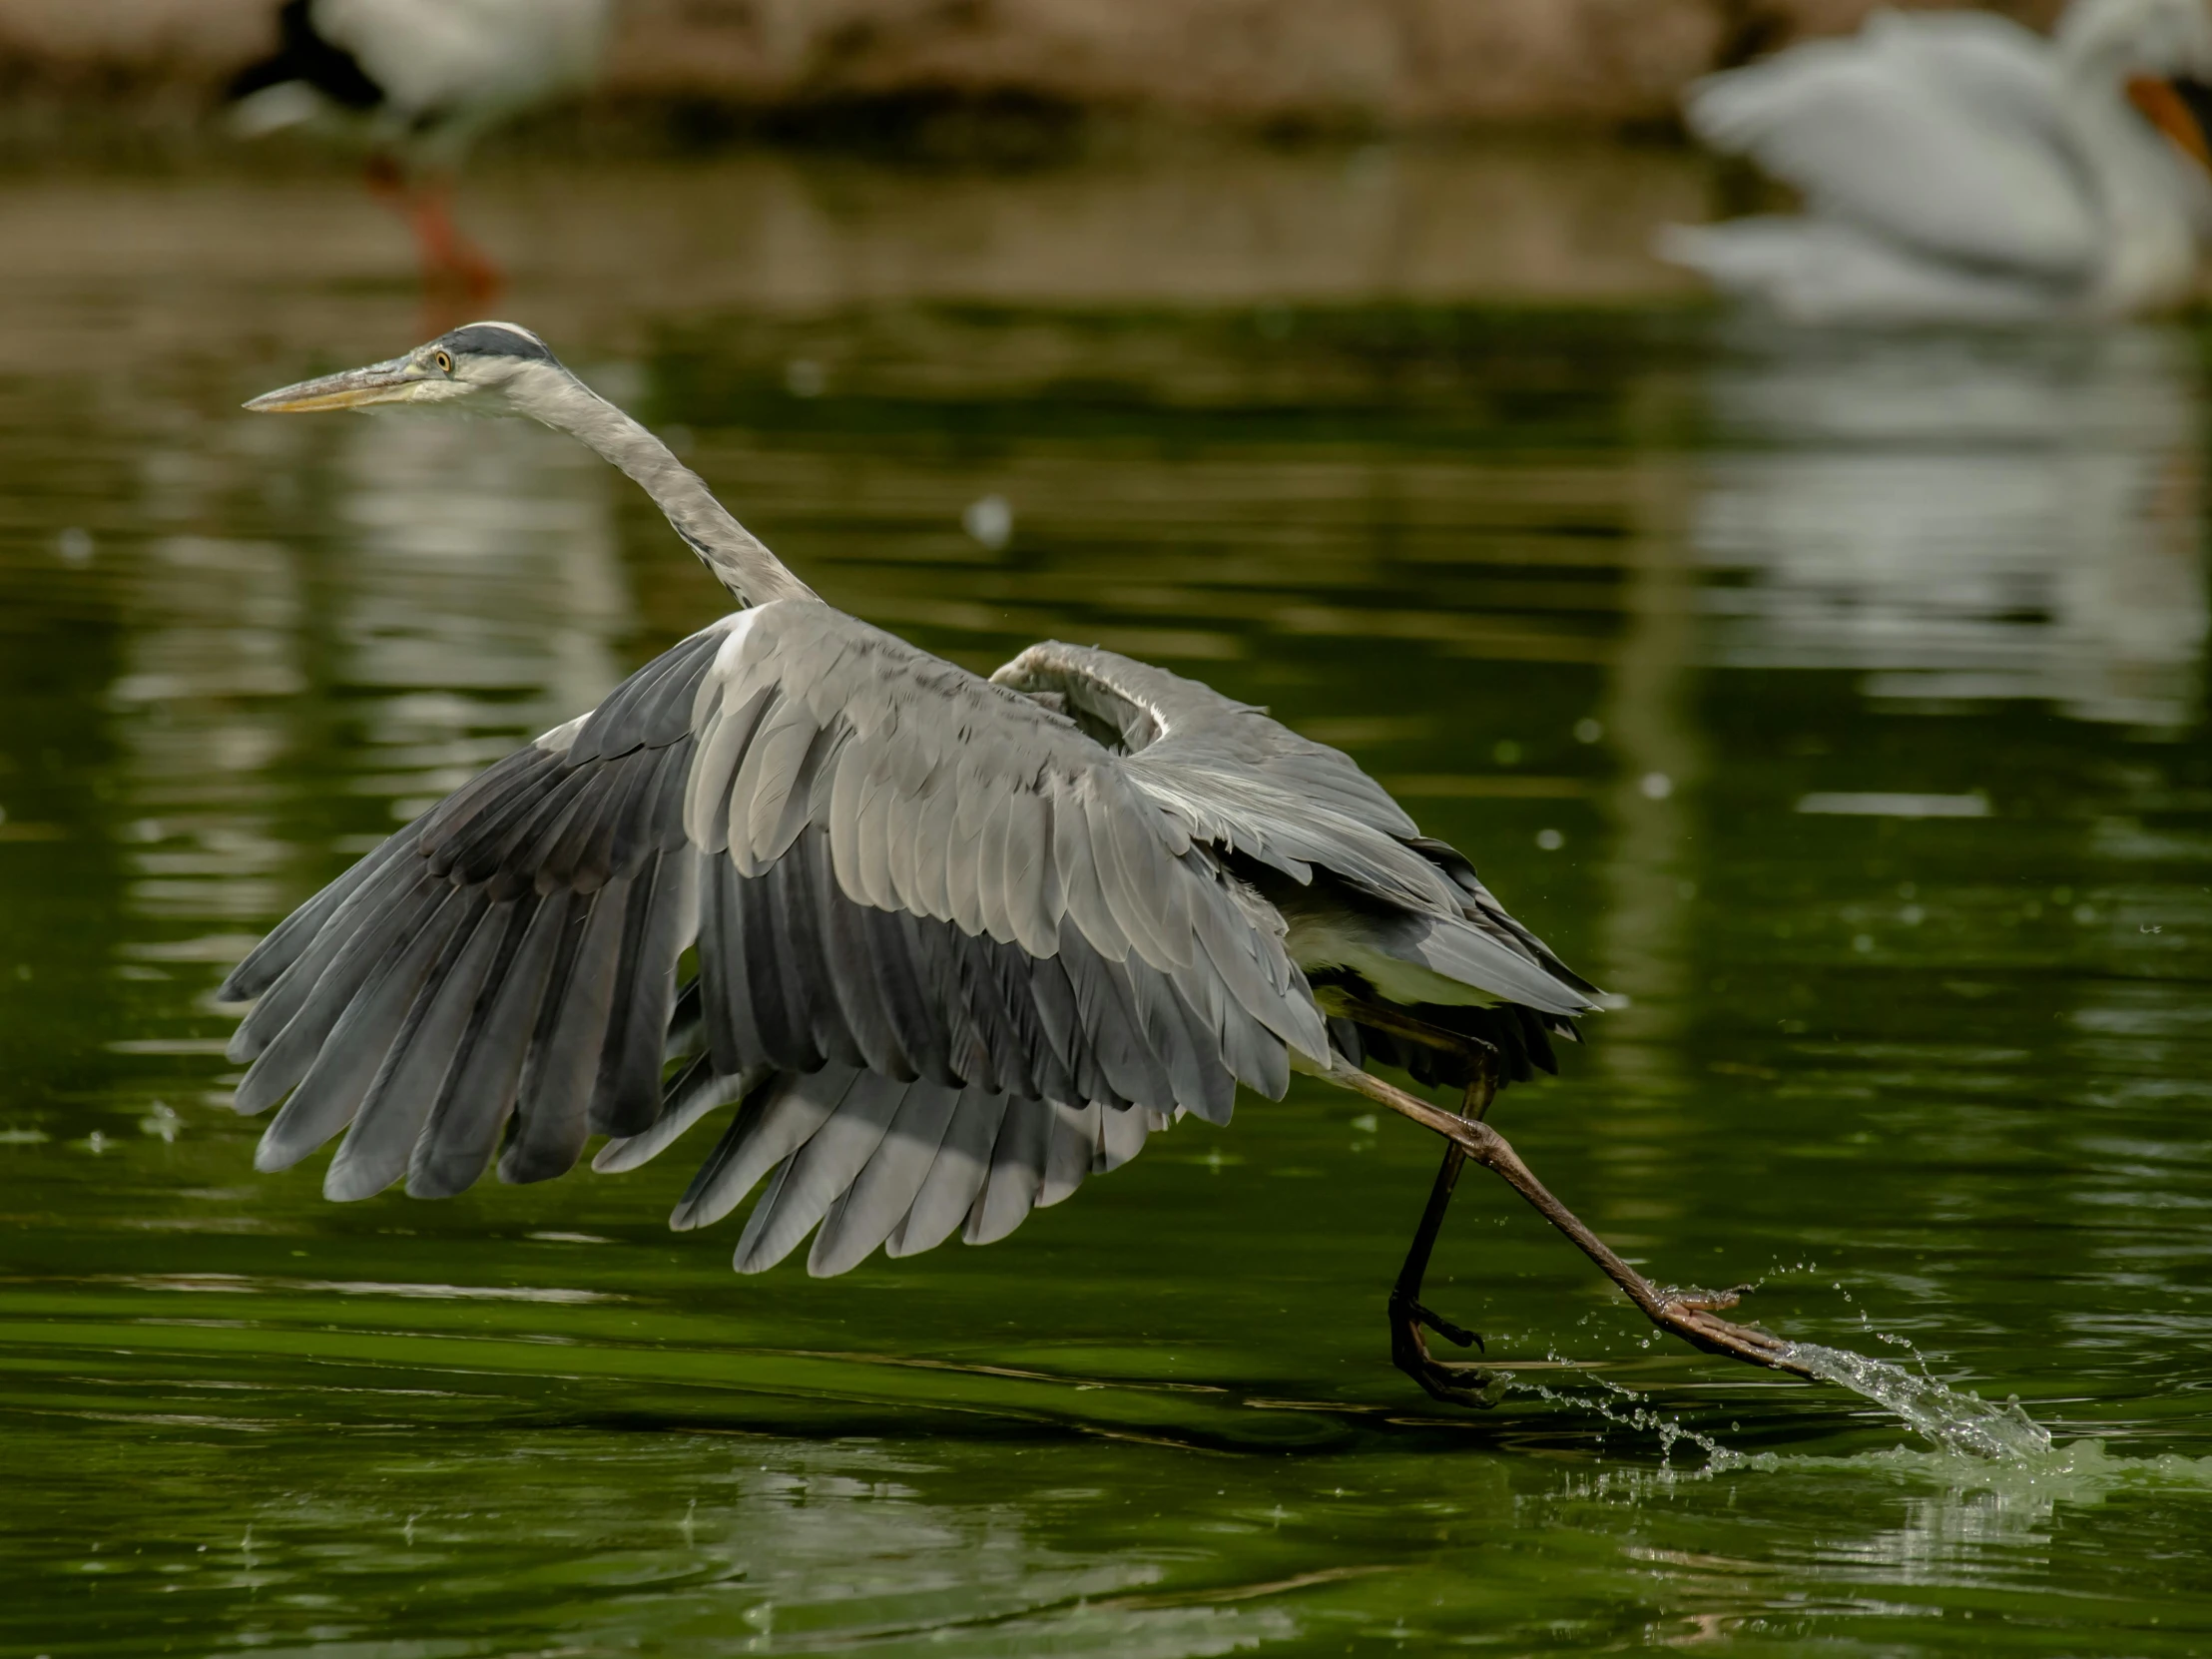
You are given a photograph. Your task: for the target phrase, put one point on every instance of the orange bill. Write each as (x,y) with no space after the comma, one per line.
(2181,109)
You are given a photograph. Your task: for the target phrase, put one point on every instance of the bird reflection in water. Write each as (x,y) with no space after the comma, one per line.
(469,594)
(1962,518)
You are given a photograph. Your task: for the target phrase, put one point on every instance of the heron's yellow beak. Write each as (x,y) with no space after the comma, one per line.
(2179,107)
(400,380)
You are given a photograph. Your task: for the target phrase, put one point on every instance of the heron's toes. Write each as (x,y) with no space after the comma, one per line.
(1707,1301)
(1443,1328)
(1702,1327)
(1473,1385)
(1469,1385)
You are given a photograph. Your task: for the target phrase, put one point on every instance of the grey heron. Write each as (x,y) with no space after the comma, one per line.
(956,942)
(1958,167)
(421,80)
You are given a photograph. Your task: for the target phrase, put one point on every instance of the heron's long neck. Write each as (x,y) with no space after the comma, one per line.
(740,561)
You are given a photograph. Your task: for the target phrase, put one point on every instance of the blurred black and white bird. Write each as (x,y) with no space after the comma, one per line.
(948,944)
(417,82)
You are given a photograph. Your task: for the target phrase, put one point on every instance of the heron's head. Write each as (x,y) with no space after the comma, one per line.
(487,367)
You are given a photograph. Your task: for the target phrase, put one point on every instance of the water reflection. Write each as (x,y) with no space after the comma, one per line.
(1487,555)
(1964,517)
(201,707)
(475,593)
(449,587)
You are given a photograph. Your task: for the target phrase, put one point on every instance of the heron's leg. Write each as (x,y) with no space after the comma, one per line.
(1456,1385)
(1693,1316)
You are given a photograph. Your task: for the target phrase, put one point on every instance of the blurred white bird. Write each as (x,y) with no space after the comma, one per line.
(1958,166)
(420,80)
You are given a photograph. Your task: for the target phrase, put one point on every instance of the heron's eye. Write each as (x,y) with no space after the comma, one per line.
(444,361)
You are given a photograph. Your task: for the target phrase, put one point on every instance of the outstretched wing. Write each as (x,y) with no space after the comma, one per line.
(1239,780)
(887,867)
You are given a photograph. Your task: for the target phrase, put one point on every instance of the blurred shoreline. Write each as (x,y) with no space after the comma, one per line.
(988,73)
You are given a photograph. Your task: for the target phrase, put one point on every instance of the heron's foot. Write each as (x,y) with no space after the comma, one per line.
(1694,1316)
(1453,1385)
(1704,1302)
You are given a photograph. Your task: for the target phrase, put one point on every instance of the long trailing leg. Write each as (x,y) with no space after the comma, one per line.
(1693,1316)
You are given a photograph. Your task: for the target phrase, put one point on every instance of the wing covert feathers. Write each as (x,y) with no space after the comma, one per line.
(1279,805)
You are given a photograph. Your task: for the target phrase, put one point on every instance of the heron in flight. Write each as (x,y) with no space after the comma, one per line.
(1958,167)
(947,944)
(419,81)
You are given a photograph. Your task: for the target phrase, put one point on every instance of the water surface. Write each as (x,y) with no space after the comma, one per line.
(1838,701)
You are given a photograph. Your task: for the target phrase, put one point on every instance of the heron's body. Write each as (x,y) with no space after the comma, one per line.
(958,942)
(1955,166)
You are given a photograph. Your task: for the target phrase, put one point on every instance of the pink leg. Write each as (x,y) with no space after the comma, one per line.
(1694,1316)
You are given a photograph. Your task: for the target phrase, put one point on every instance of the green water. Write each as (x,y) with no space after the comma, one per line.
(1840,703)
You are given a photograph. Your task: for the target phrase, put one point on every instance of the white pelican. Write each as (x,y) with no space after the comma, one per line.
(421,80)
(1956,166)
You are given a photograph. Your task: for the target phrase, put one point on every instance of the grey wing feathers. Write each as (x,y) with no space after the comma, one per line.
(862,1161)
(1481,909)
(506,964)
(902,828)
(1242,781)
(896,873)
(1171,725)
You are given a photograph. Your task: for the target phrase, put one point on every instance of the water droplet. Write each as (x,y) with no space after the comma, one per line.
(990,520)
(1551,841)
(1656,785)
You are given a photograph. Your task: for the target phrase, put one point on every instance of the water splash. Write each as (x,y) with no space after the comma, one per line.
(1954,1420)
(1625,1409)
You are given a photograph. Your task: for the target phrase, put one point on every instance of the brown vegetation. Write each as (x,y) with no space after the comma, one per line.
(1330,64)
